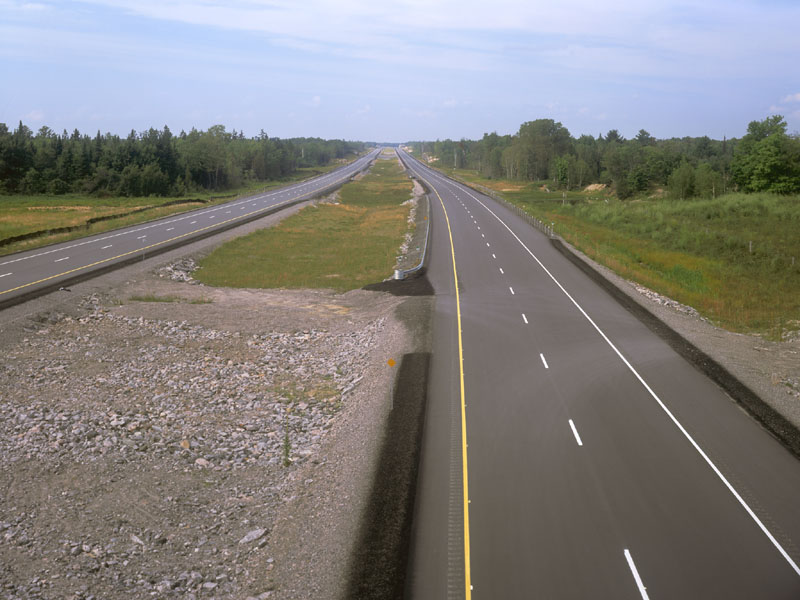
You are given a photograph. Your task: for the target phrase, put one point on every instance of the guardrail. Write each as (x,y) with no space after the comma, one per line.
(401,274)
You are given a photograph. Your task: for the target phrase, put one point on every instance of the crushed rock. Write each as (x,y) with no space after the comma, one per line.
(665,301)
(144,455)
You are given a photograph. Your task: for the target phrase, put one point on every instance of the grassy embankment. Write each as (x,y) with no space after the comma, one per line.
(341,246)
(697,252)
(26,214)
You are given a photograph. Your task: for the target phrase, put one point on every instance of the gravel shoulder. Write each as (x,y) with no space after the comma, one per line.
(222,445)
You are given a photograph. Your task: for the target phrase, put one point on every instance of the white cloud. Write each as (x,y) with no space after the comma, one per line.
(32,7)
(35,115)
(660,24)
(315,102)
(364,109)
(792,98)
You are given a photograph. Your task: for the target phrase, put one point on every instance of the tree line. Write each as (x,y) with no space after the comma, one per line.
(766,159)
(153,162)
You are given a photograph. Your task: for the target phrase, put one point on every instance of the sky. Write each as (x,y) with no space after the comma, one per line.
(400,70)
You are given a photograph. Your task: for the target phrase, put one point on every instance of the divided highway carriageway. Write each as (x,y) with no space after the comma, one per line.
(568,452)
(27,274)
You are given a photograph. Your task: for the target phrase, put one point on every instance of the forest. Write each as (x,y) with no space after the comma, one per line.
(153,162)
(766,159)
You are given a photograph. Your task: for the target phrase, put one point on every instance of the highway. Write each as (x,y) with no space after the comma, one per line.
(27,274)
(568,452)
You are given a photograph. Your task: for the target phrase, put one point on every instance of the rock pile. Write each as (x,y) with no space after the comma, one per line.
(180,270)
(668,302)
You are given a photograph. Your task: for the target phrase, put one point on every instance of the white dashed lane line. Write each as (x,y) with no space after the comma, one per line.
(60,259)
(6,274)
(636,577)
(524,318)
(544,362)
(107,247)
(501,271)
(170,228)
(575,432)
(511,289)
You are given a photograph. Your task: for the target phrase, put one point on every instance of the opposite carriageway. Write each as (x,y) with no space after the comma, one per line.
(28,274)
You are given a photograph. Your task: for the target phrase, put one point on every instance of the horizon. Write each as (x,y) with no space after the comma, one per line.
(140,132)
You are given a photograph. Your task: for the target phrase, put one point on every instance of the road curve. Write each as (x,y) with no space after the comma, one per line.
(31,273)
(584,458)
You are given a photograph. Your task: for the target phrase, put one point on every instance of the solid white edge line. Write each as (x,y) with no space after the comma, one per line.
(544,362)
(575,432)
(639,582)
(677,423)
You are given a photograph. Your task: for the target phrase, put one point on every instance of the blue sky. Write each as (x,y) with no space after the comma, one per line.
(402,69)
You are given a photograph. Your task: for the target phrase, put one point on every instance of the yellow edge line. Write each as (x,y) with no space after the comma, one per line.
(467,573)
(161,243)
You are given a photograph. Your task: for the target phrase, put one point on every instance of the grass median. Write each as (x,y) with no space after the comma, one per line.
(736,258)
(339,246)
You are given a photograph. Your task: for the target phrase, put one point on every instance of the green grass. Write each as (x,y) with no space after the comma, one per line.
(27,214)
(342,247)
(694,251)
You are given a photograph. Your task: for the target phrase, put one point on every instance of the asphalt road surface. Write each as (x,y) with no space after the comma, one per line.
(576,455)
(27,274)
